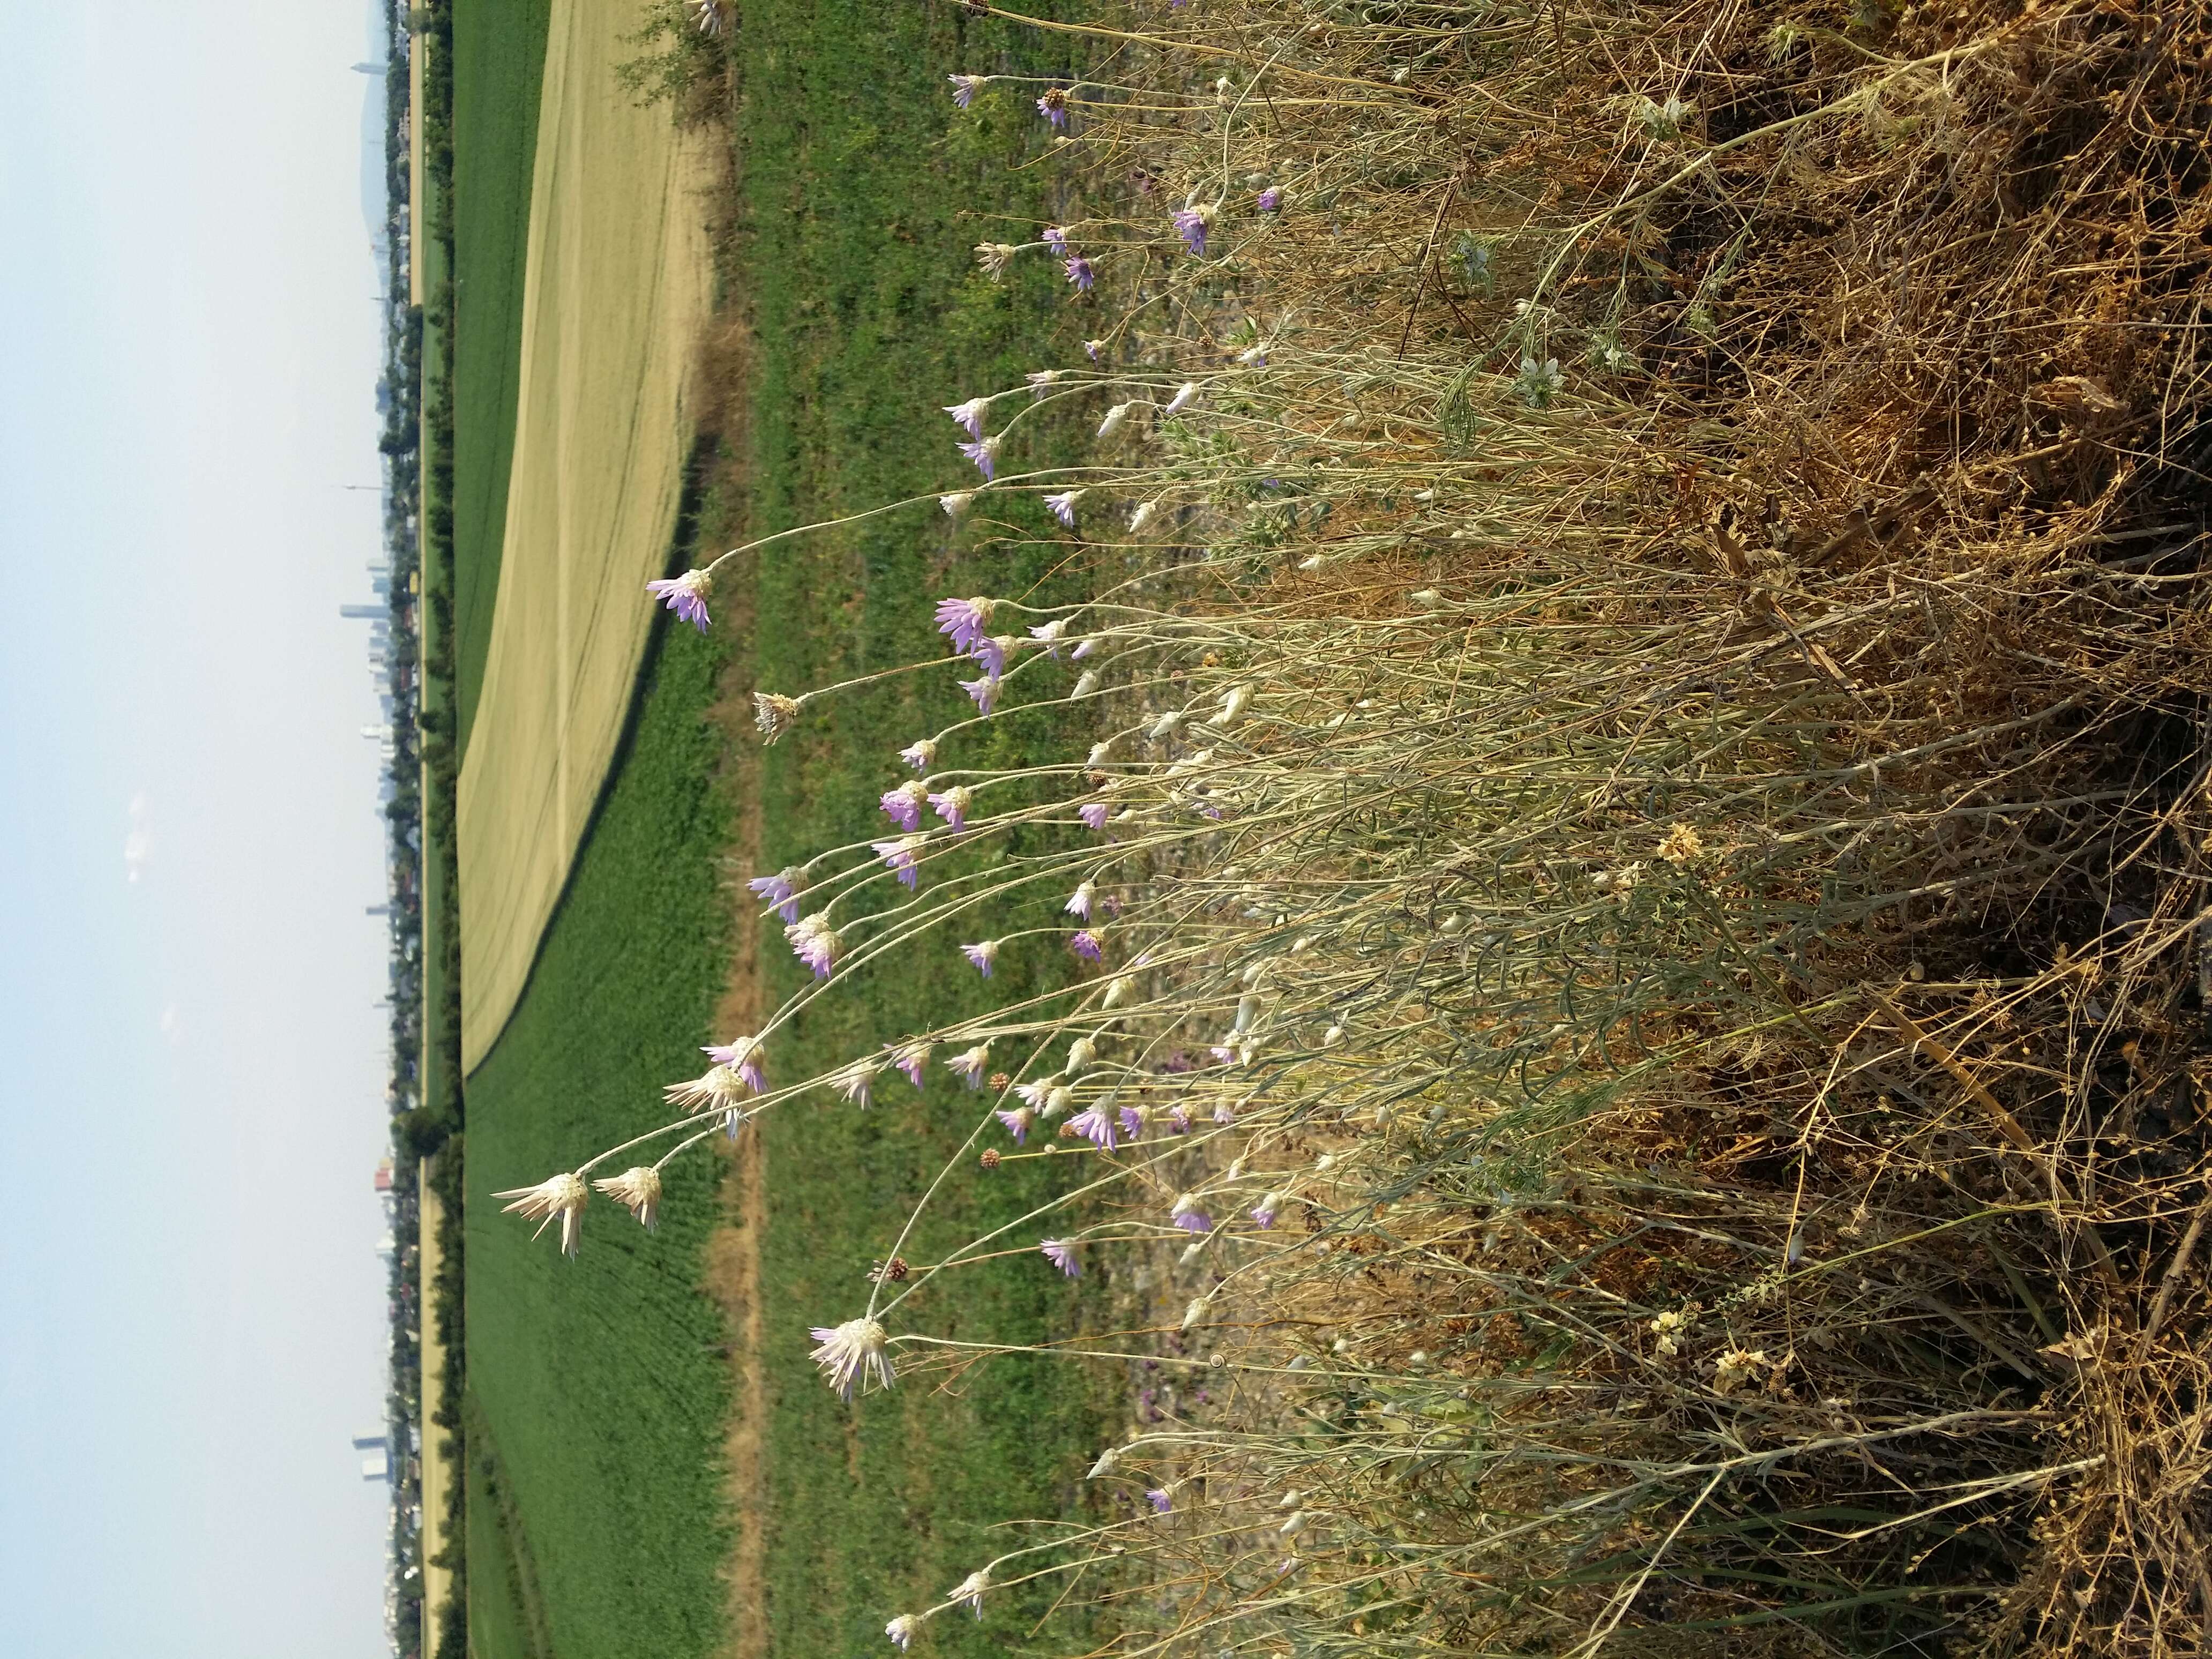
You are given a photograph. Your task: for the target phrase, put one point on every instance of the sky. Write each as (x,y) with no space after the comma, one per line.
(192,1317)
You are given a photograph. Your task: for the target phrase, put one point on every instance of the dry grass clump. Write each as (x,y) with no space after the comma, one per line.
(1794,1156)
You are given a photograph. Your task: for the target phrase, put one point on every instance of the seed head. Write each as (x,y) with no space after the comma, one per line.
(774,716)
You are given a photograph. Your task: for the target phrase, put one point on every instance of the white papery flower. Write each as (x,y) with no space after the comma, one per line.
(852,1353)
(970,1589)
(638,1191)
(1113,422)
(901,1630)
(1085,682)
(1104,1466)
(1142,516)
(955,503)
(1080,1053)
(1185,395)
(563,1195)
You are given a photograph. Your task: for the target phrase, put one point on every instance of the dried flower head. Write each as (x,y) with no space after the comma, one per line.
(968,1064)
(563,1195)
(970,1589)
(774,716)
(638,1191)
(852,1353)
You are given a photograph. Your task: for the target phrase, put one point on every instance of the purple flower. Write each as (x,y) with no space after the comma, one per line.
(1086,943)
(1225,1113)
(1080,273)
(1056,239)
(965,88)
(969,415)
(984,691)
(983,955)
(1062,507)
(1091,347)
(984,453)
(1270,199)
(901,1629)
(1083,650)
(903,804)
(991,652)
(1191,223)
(922,754)
(1265,1212)
(1095,1126)
(1132,1120)
(1054,106)
(1048,633)
(1018,1123)
(1062,1254)
(1179,1119)
(966,621)
(899,856)
(814,943)
(952,806)
(910,1058)
(777,889)
(1195,1221)
(1159,1500)
(1079,901)
(1093,813)
(743,1057)
(687,595)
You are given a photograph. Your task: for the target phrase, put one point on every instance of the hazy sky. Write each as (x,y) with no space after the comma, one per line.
(191,1311)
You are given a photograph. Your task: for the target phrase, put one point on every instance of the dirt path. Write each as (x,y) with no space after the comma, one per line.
(616,285)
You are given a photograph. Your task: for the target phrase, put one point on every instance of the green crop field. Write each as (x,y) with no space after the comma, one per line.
(603,1381)
(499,55)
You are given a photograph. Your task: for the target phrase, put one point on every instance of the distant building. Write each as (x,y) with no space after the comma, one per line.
(383,1185)
(378,1467)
